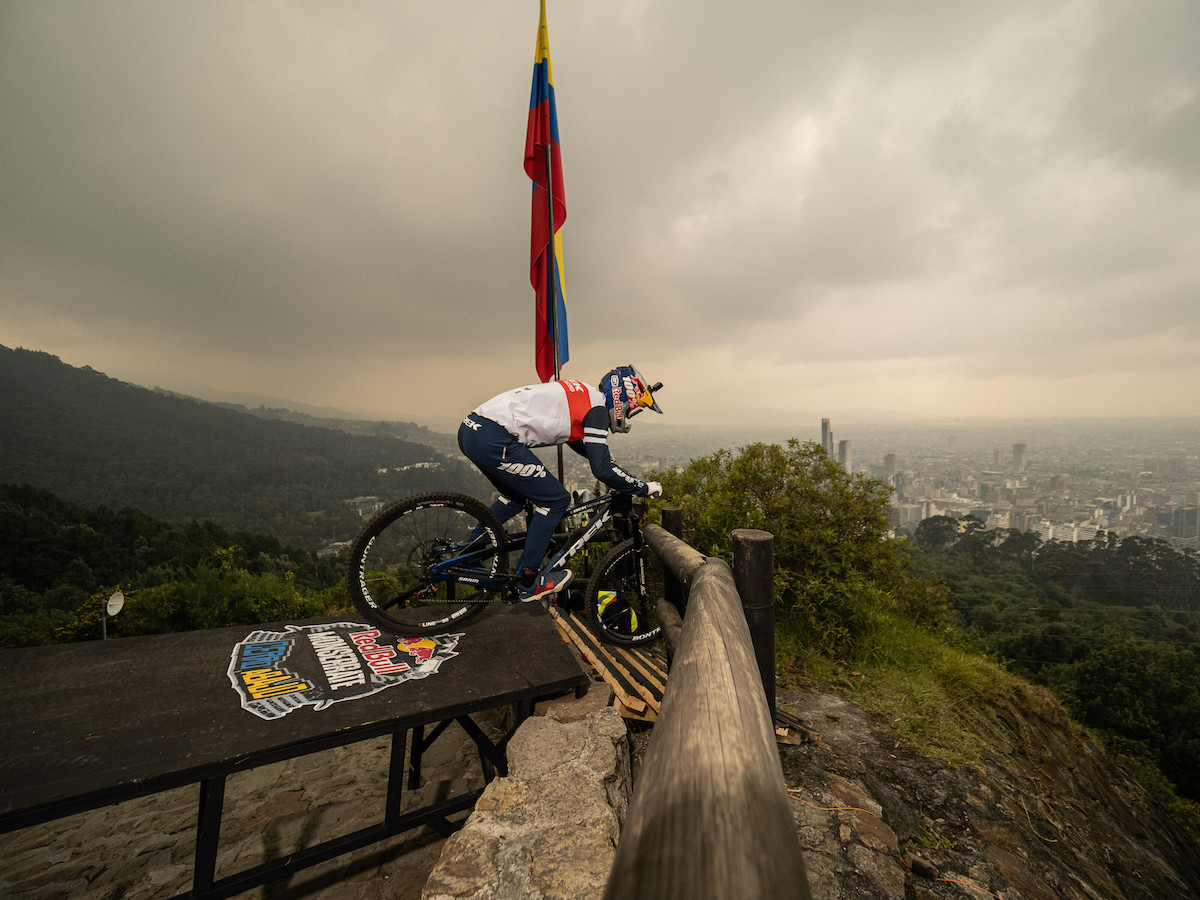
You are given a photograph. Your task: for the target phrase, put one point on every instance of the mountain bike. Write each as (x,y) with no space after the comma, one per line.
(433,561)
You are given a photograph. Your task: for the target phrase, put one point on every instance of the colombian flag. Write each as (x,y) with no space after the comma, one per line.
(543,130)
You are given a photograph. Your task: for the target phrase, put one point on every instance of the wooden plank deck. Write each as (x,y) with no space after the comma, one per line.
(638,677)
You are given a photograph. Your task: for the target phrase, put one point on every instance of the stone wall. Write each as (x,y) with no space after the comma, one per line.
(549,829)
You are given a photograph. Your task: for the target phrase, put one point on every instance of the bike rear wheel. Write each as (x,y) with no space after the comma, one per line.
(621,596)
(388,574)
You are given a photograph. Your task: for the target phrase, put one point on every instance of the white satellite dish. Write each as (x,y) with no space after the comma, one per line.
(115,603)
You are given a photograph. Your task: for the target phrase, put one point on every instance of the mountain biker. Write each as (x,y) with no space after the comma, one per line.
(497,436)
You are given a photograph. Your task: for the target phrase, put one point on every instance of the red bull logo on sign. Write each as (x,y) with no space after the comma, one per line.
(420,649)
(379,658)
(275,673)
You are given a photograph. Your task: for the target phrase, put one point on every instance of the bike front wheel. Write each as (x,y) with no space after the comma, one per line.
(390,576)
(621,596)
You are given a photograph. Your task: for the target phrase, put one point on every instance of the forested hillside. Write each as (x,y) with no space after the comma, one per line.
(1111,626)
(59,562)
(447,444)
(93,440)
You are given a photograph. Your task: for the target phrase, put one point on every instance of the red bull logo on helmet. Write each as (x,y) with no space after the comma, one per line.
(614,395)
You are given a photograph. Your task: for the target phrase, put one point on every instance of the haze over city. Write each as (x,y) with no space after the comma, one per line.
(782,211)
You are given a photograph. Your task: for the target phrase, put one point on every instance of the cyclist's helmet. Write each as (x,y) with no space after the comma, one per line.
(626,393)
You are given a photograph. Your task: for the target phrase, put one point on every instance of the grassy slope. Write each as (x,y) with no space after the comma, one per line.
(953,703)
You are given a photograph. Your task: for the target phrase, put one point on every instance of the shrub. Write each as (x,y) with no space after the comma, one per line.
(837,568)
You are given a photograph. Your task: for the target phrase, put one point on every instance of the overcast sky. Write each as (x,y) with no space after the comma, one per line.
(785,209)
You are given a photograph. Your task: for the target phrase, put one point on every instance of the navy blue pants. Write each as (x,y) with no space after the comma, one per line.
(516,472)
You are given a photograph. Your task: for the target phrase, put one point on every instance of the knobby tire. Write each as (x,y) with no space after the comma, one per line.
(621,614)
(387,574)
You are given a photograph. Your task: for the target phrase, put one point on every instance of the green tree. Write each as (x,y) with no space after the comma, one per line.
(975,540)
(936,533)
(1144,696)
(1020,547)
(837,569)
(60,562)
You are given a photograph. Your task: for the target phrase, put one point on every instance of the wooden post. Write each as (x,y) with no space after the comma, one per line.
(754,575)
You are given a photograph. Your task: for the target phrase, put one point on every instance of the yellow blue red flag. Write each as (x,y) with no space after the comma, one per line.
(550,347)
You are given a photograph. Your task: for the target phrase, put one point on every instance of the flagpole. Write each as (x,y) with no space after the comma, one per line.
(552,264)
(552,282)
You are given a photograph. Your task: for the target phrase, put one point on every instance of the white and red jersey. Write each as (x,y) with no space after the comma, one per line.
(543,415)
(562,412)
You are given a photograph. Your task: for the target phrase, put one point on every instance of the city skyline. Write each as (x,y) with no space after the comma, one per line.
(1076,485)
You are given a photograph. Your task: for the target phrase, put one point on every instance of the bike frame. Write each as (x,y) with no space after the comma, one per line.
(457,569)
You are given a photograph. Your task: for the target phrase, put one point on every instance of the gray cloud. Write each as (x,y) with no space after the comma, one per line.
(928,206)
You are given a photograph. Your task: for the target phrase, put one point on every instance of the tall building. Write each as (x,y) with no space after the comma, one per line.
(844,455)
(1185,528)
(827,437)
(889,464)
(1018,457)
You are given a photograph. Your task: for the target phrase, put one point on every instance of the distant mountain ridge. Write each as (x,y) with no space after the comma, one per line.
(405,431)
(93,440)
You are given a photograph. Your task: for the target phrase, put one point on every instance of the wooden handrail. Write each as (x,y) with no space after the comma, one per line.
(710,817)
(677,555)
(681,561)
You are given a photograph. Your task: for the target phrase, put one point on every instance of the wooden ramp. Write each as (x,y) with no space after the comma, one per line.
(637,677)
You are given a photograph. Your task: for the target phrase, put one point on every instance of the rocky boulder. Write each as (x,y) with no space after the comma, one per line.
(1042,814)
(549,829)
